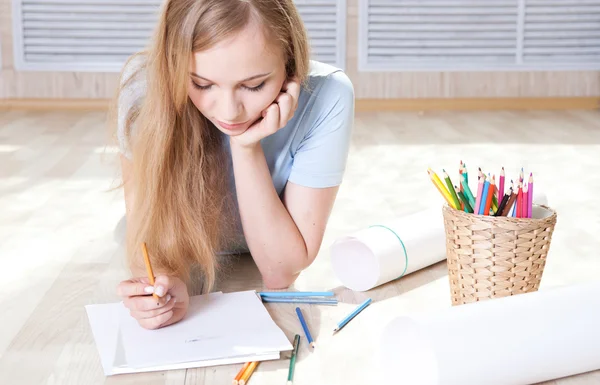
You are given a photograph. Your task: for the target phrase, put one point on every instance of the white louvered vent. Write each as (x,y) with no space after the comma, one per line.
(562,32)
(438,34)
(98,35)
(325,22)
(447,35)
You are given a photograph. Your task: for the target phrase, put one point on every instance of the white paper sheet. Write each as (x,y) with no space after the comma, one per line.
(522,339)
(219,329)
(373,256)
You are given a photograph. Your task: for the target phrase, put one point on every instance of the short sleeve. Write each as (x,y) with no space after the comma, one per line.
(130,98)
(320,159)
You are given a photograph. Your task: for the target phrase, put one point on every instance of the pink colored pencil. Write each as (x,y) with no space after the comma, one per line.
(479,193)
(530,196)
(525,209)
(519,205)
(501,186)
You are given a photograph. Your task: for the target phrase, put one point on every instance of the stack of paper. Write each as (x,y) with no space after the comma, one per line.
(218,329)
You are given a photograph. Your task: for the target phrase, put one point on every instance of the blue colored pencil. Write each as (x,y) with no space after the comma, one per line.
(315,301)
(352,315)
(305,327)
(297,294)
(484,194)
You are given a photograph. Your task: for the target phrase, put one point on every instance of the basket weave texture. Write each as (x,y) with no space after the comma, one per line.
(492,257)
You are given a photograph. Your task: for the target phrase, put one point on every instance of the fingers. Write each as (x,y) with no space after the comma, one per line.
(162,285)
(156,322)
(145,303)
(139,315)
(286,105)
(271,120)
(130,288)
(292,87)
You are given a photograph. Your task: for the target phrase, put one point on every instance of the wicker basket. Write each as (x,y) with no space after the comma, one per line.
(491,257)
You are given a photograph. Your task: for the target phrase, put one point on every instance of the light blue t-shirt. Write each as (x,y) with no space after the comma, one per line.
(311,150)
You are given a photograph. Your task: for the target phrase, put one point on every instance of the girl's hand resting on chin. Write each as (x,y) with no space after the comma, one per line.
(273,118)
(171,306)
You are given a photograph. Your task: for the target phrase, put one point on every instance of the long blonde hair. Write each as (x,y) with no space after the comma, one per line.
(180,180)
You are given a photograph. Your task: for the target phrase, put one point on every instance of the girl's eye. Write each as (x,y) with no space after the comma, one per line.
(255,89)
(199,87)
(252,89)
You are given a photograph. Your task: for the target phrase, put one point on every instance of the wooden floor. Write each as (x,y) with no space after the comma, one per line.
(59,251)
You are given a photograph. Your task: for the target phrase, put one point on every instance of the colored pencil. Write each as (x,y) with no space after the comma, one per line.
(350,316)
(510,203)
(520,201)
(501,185)
(249,370)
(309,338)
(465,172)
(514,208)
(307,300)
(525,208)
(484,195)
(530,196)
(460,175)
(453,195)
(440,186)
(480,185)
(490,195)
(237,378)
(293,359)
(464,201)
(502,205)
(467,191)
(275,294)
(148,268)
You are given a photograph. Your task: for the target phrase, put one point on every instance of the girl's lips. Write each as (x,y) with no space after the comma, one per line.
(231,126)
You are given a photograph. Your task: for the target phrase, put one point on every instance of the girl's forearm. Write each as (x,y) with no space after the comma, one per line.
(273,238)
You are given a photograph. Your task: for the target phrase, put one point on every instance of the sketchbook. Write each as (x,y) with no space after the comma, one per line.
(219,329)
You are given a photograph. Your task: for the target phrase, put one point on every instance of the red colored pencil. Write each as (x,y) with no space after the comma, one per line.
(488,202)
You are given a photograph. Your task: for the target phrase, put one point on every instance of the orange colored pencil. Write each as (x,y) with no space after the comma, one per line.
(488,199)
(248,373)
(148,267)
(237,378)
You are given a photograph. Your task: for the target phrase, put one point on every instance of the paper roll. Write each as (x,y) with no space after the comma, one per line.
(384,252)
(522,339)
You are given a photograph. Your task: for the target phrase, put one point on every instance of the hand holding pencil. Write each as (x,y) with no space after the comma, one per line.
(154,302)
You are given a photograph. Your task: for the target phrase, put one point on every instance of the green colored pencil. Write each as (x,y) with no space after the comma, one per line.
(293,359)
(467,191)
(464,199)
(451,188)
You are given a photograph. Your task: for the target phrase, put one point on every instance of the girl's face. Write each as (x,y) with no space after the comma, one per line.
(232,83)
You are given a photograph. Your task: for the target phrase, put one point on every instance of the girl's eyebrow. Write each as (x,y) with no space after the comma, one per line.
(241,81)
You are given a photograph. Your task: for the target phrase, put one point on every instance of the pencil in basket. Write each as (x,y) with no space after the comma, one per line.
(490,199)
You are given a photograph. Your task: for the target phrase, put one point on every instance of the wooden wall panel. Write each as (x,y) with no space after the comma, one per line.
(369,85)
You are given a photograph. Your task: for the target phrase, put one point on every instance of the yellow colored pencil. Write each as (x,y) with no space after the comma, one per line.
(441,188)
(148,267)
(248,373)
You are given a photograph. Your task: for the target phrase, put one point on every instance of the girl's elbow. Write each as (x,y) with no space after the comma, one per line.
(279,282)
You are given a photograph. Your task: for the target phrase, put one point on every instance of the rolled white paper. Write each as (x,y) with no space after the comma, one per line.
(522,339)
(374,256)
